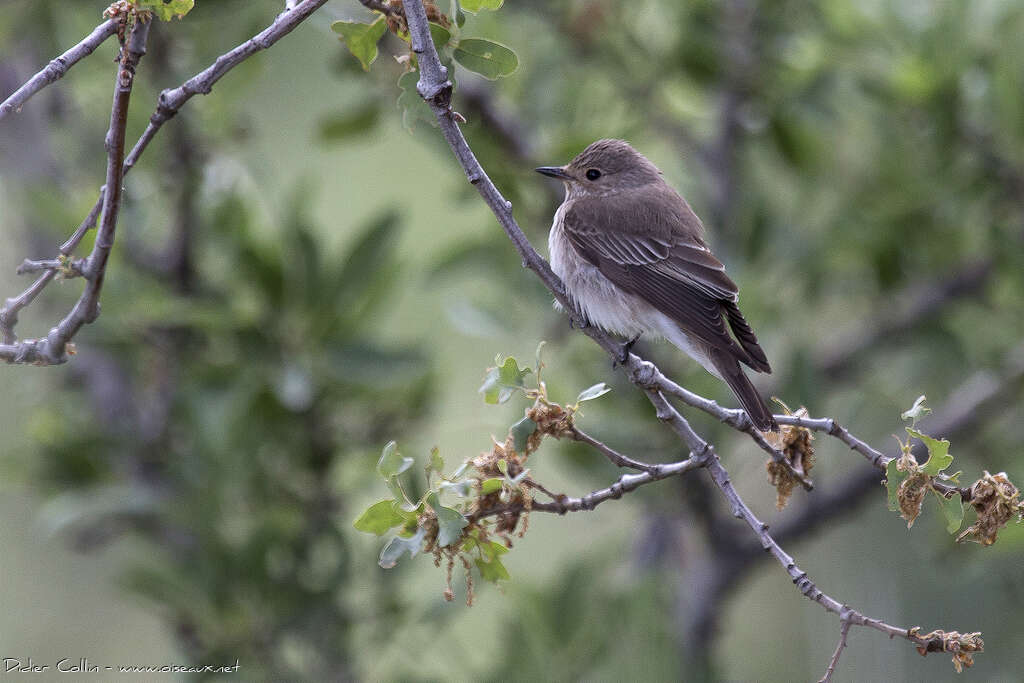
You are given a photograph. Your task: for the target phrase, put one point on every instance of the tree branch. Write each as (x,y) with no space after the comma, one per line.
(434,87)
(47,352)
(971,402)
(912,307)
(844,629)
(616,458)
(53,348)
(59,66)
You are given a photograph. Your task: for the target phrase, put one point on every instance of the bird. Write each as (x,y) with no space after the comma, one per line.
(633,258)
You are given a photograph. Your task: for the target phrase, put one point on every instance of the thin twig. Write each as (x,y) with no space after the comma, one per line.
(379,6)
(800,578)
(171,100)
(59,66)
(647,374)
(616,458)
(53,348)
(918,304)
(624,484)
(844,629)
(13,306)
(40,351)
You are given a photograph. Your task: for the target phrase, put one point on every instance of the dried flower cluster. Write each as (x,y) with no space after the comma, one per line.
(962,645)
(997,501)
(799,452)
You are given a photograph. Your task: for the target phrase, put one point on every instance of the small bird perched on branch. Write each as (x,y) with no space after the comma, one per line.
(631,253)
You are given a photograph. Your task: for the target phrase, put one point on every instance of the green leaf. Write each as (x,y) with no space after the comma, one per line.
(440,35)
(521,431)
(450,522)
(475,6)
(938,453)
(502,381)
(490,486)
(398,546)
(916,411)
(893,479)
(487,58)
(953,510)
(462,489)
(490,565)
(379,518)
(492,570)
(361,39)
(596,391)
(503,466)
(167,9)
(493,549)
(436,461)
(412,105)
(391,462)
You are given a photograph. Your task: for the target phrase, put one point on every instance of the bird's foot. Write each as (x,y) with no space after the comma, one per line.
(578,320)
(624,350)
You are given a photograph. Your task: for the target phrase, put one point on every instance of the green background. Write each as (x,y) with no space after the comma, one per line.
(854,155)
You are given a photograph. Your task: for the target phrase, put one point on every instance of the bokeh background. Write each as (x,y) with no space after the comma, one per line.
(298,280)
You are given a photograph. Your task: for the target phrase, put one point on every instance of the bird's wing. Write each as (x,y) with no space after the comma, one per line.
(659,256)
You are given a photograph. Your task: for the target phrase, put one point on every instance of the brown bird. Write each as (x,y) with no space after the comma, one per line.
(632,255)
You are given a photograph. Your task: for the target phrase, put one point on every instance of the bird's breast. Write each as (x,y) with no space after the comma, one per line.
(596,297)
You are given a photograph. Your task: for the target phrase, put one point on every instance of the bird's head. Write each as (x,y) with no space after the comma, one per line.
(604,167)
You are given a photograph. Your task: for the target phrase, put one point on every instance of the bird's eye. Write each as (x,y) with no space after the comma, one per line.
(593,174)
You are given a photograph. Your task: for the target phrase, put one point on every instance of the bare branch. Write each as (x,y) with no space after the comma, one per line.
(46,352)
(910,309)
(56,69)
(378,6)
(624,484)
(844,628)
(170,101)
(800,578)
(13,305)
(52,349)
(576,434)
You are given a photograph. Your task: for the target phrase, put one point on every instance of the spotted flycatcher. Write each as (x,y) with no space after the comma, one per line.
(631,253)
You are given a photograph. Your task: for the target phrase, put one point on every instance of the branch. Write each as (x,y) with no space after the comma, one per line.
(53,348)
(379,6)
(576,434)
(844,628)
(971,402)
(56,69)
(624,484)
(800,578)
(170,101)
(434,87)
(46,352)
(912,307)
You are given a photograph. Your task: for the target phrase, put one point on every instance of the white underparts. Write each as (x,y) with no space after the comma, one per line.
(608,307)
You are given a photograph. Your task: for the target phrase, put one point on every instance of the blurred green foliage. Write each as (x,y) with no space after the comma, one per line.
(229,404)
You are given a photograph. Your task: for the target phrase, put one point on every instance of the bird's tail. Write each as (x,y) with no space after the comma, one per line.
(729,369)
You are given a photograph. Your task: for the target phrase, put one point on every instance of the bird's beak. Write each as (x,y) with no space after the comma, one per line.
(554,172)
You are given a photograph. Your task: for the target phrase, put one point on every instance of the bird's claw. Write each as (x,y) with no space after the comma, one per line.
(624,350)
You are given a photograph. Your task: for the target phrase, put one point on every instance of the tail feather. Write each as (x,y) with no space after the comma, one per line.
(746,337)
(729,369)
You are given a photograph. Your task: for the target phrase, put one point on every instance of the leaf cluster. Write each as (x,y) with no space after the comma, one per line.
(482,56)
(995,499)
(470,516)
